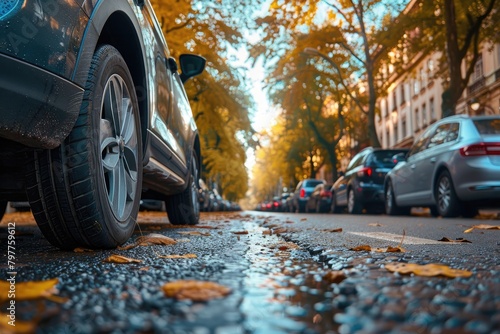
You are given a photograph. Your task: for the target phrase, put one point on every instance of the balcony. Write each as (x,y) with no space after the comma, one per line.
(477,85)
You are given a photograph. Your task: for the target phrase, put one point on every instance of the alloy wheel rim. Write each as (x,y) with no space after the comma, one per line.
(350,203)
(119,147)
(444,194)
(388,198)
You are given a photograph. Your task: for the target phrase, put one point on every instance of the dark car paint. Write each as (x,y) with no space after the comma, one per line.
(50,104)
(368,190)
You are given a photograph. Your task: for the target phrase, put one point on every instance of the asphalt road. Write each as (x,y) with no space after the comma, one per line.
(287,273)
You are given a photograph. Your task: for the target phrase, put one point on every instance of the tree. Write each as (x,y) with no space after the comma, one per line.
(220,103)
(456,29)
(351,26)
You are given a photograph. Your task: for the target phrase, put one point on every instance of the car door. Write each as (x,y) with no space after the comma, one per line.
(404,176)
(428,162)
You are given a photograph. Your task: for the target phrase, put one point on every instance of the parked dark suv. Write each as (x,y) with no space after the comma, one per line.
(94,116)
(362,184)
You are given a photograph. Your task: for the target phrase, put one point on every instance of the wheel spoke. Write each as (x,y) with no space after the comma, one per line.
(128,125)
(110,154)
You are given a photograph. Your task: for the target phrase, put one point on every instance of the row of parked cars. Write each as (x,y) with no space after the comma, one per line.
(453,168)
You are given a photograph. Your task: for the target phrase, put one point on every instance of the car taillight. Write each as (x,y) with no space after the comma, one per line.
(276,204)
(325,193)
(480,149)
(302,193)
(365,171)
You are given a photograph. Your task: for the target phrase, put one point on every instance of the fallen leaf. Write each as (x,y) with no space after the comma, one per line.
(375,224)
(317,319)
(121,259)
(195,233)
(361,248)
(30,290)
(126,247)
(482,227)
(186,256)
(445,239)
(155,239)
(289,222)
(303,219)
(199,291)
(240,232)
(144,269)
(397,249)
(83,250)
(334,276)
(21,327)
(267,232)
(428,270)
(335,230)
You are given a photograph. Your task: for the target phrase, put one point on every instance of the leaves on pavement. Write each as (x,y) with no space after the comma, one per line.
(195,233)
(155,239)
(31,290)
(457,240)
(186,256)
(240,232)
(361,248)
(21,327)
(115,258)
(199,291)
(427,270)
(334,276)
(368,248)
(83,250)
(335,230)
(482,227)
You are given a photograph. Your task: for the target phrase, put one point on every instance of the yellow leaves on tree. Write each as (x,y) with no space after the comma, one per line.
(198,291)
(427,270)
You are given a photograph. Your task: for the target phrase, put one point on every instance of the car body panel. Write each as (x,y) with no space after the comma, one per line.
(475,178)
(367,188)
(65,35)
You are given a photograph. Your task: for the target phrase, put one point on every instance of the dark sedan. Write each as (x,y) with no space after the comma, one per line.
(93,117)
(362,185)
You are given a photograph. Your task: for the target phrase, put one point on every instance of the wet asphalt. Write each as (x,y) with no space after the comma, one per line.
(275,267)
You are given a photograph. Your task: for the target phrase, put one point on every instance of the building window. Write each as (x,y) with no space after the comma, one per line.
(394,100)
(430,68)
(423,77)
(416,86)
(424,115)
(403,125)
(432,110)
(478,69)
(388,138)
(403,98)
(395,133)
(417,119)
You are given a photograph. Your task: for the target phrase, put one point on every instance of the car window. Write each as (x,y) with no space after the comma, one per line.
(312,183)
(420,144)
(357,160)
(444,133)
(488,126)
(383,158)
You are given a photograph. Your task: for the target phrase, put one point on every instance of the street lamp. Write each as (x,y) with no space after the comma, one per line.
(475,105)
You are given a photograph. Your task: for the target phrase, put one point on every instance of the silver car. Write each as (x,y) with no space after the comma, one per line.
(453,168)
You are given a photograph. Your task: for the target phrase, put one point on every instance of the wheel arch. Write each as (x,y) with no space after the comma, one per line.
(115,23)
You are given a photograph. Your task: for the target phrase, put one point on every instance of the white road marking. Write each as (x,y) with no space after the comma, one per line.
(398,237)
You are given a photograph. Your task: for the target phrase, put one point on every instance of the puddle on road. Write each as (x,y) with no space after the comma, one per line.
(285,291)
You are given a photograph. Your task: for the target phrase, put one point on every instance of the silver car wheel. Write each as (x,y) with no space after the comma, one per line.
(444,194)
(119,147)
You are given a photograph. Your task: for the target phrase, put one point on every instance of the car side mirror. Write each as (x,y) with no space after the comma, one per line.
(191,65)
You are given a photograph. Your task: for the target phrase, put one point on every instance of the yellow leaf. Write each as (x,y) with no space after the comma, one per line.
(29,290)
(362,248)
(121,259)
(195,290)
(83,250)
(155,239)
(445,239)
(428,270)
(397,249)
(21,327)
(186,256)
(482,227)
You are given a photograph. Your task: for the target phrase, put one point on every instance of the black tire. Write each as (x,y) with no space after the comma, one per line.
(447,201)
(3,208)
(184,208)
(354,206)
(434,211)
(391,207)
(87,192)
(319,208)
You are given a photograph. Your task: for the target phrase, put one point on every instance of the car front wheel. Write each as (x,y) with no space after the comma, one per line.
(391,208)
(448,204)
(86,193)
(184,208)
